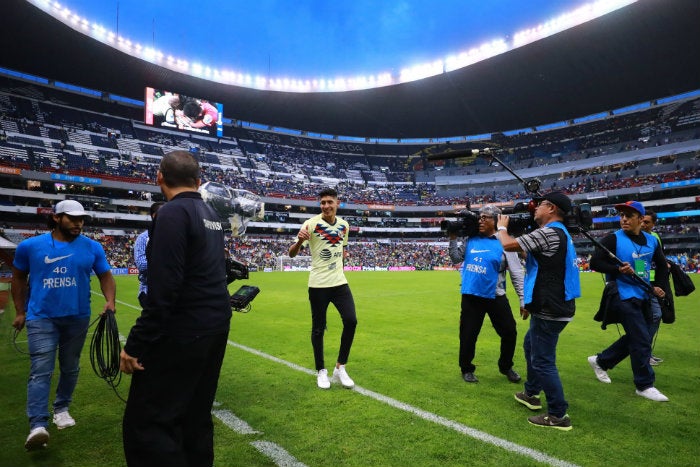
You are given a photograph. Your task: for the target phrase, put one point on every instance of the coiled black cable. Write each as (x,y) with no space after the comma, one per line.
(105,350)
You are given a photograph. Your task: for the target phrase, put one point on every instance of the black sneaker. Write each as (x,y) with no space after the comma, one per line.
(512,375)
(531,402)
(550,421)
(470,378)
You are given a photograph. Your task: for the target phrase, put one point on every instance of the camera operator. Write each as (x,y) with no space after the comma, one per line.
(484,291)
(175,350)
(633,303)
(551,287)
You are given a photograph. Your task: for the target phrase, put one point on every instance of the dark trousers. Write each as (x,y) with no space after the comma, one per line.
(167,421)
(341,298)
(472,318)
(635,343)
(143,299)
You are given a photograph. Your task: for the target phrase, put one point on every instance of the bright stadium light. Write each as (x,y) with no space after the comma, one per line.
(451,62)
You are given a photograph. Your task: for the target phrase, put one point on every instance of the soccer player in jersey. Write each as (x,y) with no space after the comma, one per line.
(56,268)
(327,236)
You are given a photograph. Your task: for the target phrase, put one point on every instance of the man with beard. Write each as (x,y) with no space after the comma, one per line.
(51,293)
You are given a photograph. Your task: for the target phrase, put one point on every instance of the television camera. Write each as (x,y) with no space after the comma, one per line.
(521,221)
(521,214)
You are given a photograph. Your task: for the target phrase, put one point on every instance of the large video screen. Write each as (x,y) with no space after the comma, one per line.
(177,111)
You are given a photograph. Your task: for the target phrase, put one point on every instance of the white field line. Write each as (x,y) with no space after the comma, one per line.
(278,455)
(429,416)
(236,424)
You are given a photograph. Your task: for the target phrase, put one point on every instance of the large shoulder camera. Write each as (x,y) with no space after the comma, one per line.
(521,220)
(466,226)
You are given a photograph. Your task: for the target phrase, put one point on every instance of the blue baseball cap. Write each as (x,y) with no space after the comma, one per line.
(635,205)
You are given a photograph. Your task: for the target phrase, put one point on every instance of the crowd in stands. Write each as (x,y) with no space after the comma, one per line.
(39,134)
(263,252)
(44,136)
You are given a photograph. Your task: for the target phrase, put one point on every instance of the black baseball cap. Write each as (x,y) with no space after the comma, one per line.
(558,199)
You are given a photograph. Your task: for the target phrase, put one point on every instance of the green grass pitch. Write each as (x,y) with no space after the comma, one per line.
(410,406)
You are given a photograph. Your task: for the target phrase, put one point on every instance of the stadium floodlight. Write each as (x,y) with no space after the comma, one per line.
(452,62)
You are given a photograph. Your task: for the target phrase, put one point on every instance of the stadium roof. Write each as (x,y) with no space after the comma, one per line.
(648,50)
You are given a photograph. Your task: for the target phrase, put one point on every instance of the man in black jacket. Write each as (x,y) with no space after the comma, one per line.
(176,348)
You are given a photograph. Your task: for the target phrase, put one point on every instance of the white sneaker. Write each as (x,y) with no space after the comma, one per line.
(37,438)
(63,420)
(322,379)
(340,375)
(601,374)
(652,394)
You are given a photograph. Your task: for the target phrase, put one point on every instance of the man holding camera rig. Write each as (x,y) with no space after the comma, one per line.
(551,286)
(176,348)
(633,304)
(484,291)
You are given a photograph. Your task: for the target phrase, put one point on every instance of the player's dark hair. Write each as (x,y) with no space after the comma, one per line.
(328,192)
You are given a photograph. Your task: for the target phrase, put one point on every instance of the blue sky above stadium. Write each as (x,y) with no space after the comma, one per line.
(314,38)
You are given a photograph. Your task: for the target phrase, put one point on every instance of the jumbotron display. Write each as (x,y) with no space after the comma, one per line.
(167,109)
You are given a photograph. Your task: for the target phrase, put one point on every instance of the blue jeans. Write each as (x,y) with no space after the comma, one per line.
(46,336)
(540,347)
(655,318)
(636,343)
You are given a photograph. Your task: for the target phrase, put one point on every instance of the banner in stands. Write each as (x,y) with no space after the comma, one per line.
(177,111)
(10,170)
(76,179)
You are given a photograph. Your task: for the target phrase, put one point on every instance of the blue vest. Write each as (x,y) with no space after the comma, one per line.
(629,252)
(572,283)
(482,261)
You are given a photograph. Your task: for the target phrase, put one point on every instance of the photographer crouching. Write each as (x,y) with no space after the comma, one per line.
(551,287)
(484,291)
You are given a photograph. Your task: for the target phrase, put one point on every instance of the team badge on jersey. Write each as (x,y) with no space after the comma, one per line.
(331,236)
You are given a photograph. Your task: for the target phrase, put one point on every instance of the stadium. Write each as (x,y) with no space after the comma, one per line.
(606,111)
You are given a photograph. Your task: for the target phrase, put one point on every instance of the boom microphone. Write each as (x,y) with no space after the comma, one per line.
(456,154)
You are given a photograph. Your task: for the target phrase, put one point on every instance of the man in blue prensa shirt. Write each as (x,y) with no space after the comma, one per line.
(51,293)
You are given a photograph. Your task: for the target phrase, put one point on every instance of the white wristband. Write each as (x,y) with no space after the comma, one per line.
(502,228)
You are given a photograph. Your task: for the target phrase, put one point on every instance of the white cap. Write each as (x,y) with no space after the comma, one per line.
(70,207)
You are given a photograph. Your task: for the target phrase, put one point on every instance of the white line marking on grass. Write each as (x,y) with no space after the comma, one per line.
(235,423)
(278,455)
(429,416)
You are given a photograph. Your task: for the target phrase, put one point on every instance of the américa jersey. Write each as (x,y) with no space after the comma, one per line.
(326,245)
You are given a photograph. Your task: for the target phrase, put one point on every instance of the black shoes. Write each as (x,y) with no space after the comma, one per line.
(512,376)
(470,378)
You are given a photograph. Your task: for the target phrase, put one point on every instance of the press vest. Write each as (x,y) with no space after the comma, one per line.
(482,263)
(545,291)
(630,252)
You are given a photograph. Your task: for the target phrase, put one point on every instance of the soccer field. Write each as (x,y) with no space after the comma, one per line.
(410,406)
